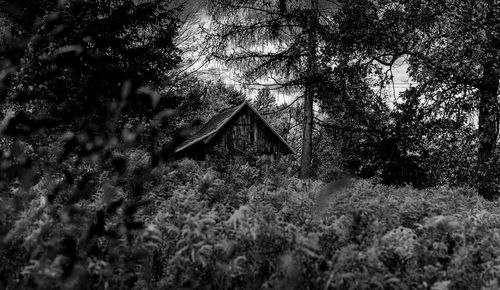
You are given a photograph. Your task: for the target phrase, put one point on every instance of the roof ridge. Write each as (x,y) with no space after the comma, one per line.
(215,122)
(219,120)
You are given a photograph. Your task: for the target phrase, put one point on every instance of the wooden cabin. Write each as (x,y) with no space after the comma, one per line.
(235,131)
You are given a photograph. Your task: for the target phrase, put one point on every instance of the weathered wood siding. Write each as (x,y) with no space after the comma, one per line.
(246,134)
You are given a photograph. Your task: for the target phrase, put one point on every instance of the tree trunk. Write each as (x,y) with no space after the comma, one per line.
(488,132)
(309,93)
(306,158)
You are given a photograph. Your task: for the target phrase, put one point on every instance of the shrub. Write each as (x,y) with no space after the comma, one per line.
(194,227)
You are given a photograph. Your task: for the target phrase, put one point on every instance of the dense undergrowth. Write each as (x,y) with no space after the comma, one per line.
(249,227)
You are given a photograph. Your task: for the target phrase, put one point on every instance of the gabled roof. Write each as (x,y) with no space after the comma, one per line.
(214,125)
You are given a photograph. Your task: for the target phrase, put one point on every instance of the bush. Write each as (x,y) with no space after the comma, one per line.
(194,227)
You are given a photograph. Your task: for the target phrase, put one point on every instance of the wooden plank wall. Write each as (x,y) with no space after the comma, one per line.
(246,134)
